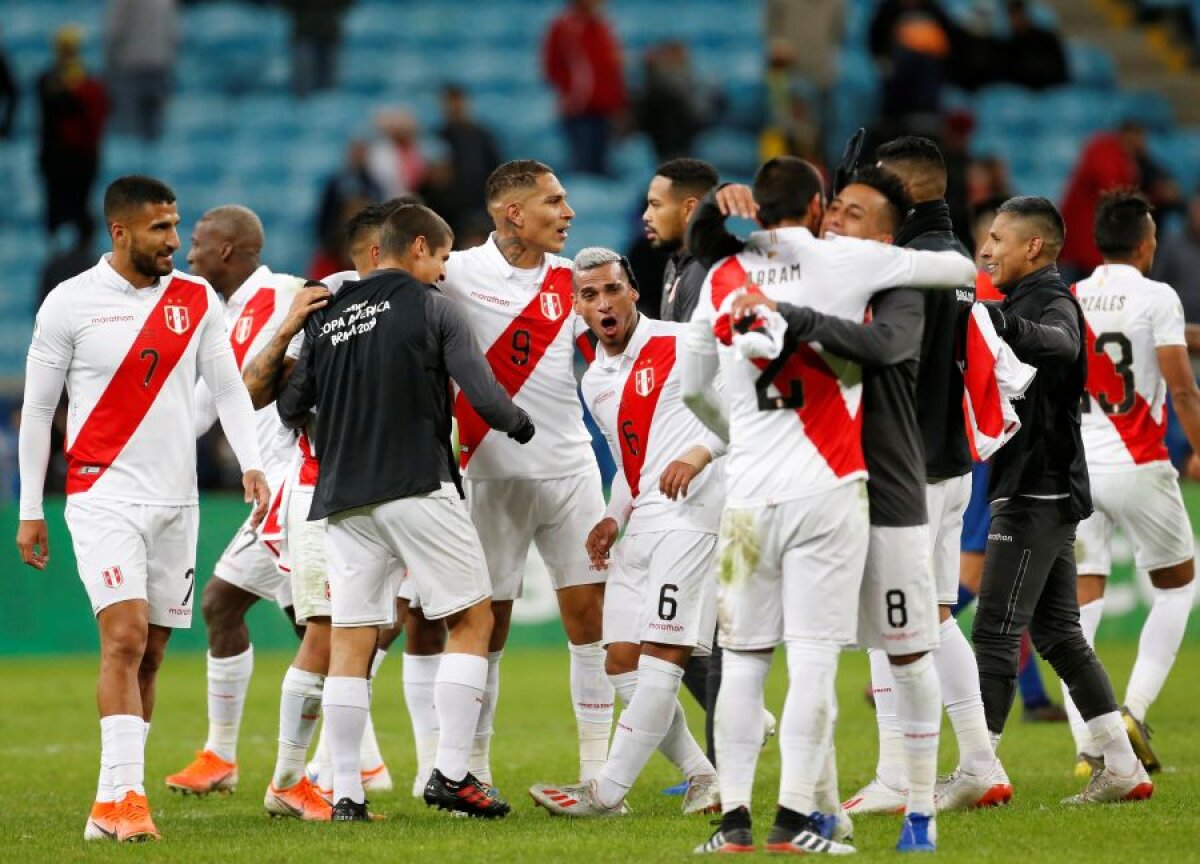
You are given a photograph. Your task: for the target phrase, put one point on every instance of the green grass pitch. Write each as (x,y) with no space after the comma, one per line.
(50,749)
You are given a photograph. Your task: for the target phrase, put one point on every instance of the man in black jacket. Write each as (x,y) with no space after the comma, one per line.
(376,367)
(1039,492)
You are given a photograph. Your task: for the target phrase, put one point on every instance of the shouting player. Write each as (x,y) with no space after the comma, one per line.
(226,245)
(659,601)
(791,551)
(516,291)
(130,337)
(1136,356)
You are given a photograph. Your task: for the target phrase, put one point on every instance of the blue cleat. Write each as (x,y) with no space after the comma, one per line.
(679,789)
(919,834)
(824,823)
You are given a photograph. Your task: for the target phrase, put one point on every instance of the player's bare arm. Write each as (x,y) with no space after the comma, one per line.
(1185,397)
(254,483)
(744,304)
(681,472)
(600,541)
(33,541)
(266,374)
(737,199)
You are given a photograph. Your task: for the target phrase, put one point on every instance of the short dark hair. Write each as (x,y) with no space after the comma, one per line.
(517,174)
(689,177)
(1042,212)
(912,149)
(890,187)
(783,188)
(372,217)
(408,222)
(1120,223)
(131,191)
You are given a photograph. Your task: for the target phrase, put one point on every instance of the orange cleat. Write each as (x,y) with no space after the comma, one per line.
(133,822)
(299,801)
(208,772)
(102,822)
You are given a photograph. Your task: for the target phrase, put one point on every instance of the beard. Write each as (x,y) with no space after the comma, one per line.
(146,264)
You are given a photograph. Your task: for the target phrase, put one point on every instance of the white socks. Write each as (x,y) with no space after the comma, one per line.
(481,747)
(1089,621)
(346,704)
(458,695)
(958,675)
(123,754)
(678,744)
(592,697)
(804,730)
(1161,636)
(1108,732)
(228,681)
(420,673)
(624,685)
(737,729)
(919,709)
(299,711)
(890,767)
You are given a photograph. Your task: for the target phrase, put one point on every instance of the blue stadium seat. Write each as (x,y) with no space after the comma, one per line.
(1089,65)
(732,152)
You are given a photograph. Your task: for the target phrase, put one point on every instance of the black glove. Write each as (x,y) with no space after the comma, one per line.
(999,319)
(524,430)
(845,169)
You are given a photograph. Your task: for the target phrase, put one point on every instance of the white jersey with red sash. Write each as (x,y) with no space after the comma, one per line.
(132,359)
(636,399)
(795,422)
(1128,318)
(525,324)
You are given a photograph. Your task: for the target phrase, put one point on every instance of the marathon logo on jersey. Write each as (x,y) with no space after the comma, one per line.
(177,319)
(551,305)
(243,329)
(643,381)
(112,577)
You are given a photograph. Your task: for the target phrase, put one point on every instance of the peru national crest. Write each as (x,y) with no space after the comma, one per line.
(643,381)
(112,577)
(241,330)
(551,305)
(177,319)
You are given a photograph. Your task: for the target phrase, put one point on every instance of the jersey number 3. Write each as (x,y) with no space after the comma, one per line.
(1122,400)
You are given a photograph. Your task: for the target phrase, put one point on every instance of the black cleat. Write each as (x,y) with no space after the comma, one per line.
(346,810)
(468,796)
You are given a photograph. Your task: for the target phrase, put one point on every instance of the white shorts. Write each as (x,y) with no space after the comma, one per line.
(898,607)
(309,575)
(556,514)
(127,551)
(946,501)
(1147,506)
(662,588)
(247,564)
(792,570)
(430,534)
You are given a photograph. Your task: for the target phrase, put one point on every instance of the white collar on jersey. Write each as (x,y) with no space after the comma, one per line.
(110,278)
(1122,271)
(247,289)
(501,263)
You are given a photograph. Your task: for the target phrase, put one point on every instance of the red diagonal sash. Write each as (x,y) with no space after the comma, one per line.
(250,323)
(517,352)
(136,384)
(1142,436)
(638,401)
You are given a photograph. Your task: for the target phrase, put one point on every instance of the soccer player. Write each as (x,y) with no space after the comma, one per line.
(226,245)
(516,292)
(375,367)
(1136,354)
(130,337)
(659,603)
(1039,491)
(791,549)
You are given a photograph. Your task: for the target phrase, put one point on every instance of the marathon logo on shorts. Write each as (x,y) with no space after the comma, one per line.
(177,319)
(178,612)
(551,305)
(644,381)
(112,577)
(243,329)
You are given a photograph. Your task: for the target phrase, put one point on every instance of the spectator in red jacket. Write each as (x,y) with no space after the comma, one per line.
(582,61)
(1108,161)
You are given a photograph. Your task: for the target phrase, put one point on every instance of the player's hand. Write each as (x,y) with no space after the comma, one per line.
(523,434)
(676,478)
(600,541)
(308,300)
(1192,472)
(737,199)
(34,543)
(257,493)
(743,304)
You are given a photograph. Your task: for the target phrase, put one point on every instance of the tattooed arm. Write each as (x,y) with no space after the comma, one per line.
(266,374)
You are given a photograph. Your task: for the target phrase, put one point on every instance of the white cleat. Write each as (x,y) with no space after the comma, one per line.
(378,779)
(876,797)
(1107,787)
(965,791)
(843,827)
(577,801)
(703,795)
